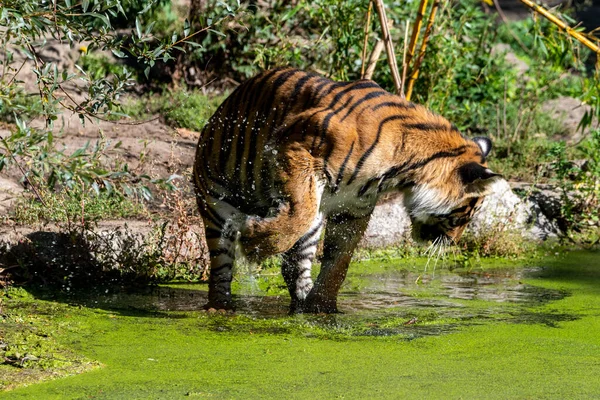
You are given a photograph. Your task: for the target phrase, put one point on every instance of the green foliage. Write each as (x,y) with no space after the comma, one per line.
(544,43)
(334,31)
(82,168)
(76,205)
(98,66)
(181,109)
(460,79)
(14,101)
(325,35)
(26,25)
(580,186)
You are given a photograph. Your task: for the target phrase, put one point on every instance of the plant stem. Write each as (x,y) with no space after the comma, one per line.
(416,30)
(389,47)
(404,62)
(415,70)
(364,50)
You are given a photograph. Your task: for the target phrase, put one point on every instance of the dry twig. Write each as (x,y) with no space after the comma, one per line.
(389,46)
(364,51)
(375,54)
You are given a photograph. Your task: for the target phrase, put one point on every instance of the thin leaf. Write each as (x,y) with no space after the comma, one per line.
(138,27)
(118,53)
(186,27)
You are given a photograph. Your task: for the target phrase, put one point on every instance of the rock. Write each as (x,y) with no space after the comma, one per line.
(548,197)
(510,57)
(503,210)
(389,225)
(569,111)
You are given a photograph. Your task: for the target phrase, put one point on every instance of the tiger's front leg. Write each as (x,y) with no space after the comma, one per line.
(342,234)
(297,264)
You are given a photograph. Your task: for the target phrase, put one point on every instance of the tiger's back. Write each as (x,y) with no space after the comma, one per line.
(243,134)
(289,149)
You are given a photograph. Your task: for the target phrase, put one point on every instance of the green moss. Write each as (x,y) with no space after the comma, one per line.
(29,349)
(545,347)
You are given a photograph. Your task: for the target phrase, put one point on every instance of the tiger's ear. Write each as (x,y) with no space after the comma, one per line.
(477,178)
(484,144)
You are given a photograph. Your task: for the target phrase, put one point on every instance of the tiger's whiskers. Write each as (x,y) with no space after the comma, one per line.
(437,250)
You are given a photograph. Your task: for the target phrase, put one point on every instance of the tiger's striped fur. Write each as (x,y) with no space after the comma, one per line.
(289,150)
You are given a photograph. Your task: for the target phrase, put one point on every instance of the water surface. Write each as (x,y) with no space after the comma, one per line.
(488,332)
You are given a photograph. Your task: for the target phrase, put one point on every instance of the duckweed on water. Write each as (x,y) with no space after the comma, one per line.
(29,350)
(485,333)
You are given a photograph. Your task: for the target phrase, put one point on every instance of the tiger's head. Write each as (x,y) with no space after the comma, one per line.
(449,190)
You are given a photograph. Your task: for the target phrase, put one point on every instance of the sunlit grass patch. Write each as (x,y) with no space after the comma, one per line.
(77,206)
(181,108)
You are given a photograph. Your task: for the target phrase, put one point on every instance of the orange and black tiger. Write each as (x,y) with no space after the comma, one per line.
(289,150)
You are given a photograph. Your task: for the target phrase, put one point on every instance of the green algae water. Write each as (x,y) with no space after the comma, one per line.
(496,331)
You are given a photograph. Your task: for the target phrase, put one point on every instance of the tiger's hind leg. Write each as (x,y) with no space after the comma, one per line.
(297,263)
(299,193)
(342,235)
(221,234)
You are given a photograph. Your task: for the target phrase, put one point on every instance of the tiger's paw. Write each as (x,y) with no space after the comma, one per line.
(296,307)
(316,305)
(213,307)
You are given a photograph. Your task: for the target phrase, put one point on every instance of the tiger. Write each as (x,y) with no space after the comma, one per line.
(290,151)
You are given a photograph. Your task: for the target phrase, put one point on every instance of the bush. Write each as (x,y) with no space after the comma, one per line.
(580,187)
(26,25)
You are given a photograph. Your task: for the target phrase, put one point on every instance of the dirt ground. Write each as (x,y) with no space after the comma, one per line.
(152,148)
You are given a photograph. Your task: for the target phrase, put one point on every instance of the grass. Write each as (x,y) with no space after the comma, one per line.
(99,66)
(63,207)
(547,349)
(180,109)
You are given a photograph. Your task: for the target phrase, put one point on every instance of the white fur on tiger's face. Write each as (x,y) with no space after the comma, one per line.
(289,150)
